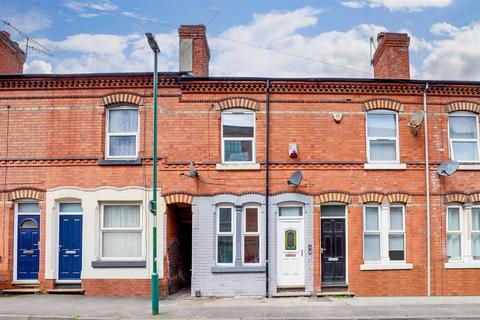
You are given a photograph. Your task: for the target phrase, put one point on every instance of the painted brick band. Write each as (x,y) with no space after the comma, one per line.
(463,106)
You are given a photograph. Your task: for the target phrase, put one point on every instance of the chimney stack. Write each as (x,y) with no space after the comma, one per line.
(194,54)
(12,57)
(391,60)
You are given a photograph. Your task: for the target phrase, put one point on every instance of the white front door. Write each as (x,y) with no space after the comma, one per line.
(291,256)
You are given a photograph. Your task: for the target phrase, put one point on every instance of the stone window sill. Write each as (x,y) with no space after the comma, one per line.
(385,166)
(239,269)
(119,162)
(238,166)
(386,266)
(119,264)
(462,265)
(469,167)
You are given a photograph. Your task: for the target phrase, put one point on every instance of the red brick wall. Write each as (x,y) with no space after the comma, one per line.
(117,287)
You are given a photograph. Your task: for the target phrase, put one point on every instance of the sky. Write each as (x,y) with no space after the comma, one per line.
(281,38)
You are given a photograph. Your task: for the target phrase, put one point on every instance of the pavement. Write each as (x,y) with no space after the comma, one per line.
(60,307)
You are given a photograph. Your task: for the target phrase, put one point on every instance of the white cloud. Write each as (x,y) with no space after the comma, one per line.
(37,66)
(137,16)
(456,57)
(29,21)
(94,9)
(409,5)
(354,4)
(94,5)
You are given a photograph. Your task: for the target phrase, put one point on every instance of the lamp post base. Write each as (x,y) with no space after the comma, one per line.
(154,293)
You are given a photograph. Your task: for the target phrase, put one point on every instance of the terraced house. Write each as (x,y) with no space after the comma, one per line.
(267,186)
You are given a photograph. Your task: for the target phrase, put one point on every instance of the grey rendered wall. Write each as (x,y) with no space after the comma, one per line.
(238,282)
(274,203)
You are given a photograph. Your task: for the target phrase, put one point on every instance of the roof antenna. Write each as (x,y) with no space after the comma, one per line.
(38,47)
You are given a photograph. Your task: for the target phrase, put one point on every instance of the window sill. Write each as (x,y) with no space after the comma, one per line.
(119,264)
(385,166)
(119,162)
(386,266)
(238,166)
(239,269)
(462,265)
(469,167)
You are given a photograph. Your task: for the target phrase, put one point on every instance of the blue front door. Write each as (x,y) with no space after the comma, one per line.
(70,253)
(28,250)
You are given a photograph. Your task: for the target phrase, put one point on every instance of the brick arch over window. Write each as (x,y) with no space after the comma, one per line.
(26,194)
(122,98)
(455,197)
(398,197)
(386,104)
(463,106)
(475,197)
(334,197)
(372,197)
(178,198)
(238,102)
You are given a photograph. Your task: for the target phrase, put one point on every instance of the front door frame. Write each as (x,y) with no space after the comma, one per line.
(15,238)
(57,245)
(280,243)
(346,236)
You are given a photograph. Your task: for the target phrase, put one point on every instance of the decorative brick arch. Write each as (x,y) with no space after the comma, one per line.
(455,197)
(122,98)
(26,194)
(372,197)
(475,197)
(334,197)
(463,106)
(238,102)
(386,104)
(178,198)
(398,197)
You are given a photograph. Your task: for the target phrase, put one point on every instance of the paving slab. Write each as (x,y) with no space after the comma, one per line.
(53,307)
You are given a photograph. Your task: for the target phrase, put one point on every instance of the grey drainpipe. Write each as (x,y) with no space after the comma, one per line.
(267,141)
(427,183)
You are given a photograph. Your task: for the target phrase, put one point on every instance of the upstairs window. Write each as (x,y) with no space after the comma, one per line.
(382,136)
(238,136)
(122,132)
(463,134)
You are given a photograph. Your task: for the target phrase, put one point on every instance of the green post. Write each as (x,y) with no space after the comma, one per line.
(154,202)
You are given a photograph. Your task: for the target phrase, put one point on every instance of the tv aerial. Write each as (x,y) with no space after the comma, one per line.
(415,122)
(30,43)
(295,179)
(192,171)
(448,168)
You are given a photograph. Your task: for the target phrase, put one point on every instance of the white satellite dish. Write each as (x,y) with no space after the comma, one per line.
(193,171)
(295,179)
(446,169)
(416,122)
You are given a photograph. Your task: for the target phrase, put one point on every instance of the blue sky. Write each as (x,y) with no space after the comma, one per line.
(251,38)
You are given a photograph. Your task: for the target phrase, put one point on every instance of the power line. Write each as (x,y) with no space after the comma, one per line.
(36,47)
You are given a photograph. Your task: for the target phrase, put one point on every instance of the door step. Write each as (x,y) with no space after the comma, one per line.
(68,286)
(290,294)
(346,294)
(66,291)
(21,290)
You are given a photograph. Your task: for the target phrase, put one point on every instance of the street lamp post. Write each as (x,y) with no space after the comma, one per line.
(153,204)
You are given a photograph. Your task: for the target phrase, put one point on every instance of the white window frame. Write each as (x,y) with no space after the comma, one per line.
(223,233)
(258,233)
(397,232)
(372,232)
(473,232)
(108,134)
(396,138)
(451,140)
(140,229)
(253,139)
(459,232)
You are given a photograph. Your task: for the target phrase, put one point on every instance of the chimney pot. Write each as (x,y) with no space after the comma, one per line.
(391,59)
(194,55)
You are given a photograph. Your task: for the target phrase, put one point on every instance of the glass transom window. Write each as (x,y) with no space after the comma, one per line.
(463,134)
(122,132)
(382,137)
(238,136)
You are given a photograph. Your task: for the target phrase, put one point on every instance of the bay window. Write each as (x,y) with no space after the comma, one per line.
(463,136)
(382,136)
(121,232)
(122,132)
(238,136)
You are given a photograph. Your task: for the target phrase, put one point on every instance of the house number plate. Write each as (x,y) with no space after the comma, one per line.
(332,259)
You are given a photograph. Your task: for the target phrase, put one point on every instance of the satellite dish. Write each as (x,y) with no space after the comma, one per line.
(193,171)
(446,169)
(295,179)
(416,121)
